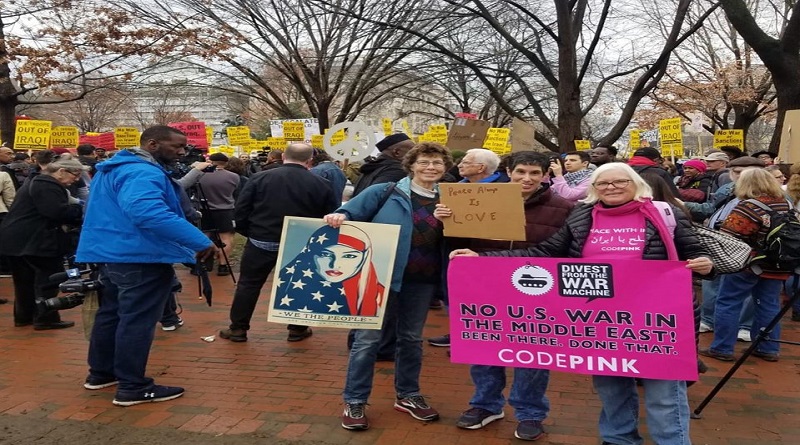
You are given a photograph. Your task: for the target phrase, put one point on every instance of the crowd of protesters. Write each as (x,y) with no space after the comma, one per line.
(139,216)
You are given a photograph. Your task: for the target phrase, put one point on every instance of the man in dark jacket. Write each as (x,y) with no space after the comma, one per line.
(7,157)
(649,159)
(387,167)
(292,191)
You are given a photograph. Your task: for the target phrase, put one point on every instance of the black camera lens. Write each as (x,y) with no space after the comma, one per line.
(66,302)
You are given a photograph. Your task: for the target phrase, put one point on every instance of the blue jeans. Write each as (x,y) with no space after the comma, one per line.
(732,293)
(789,286)
(666,404)
(133,301)
(710,292)
(411,306)
(170,315)
(527,394)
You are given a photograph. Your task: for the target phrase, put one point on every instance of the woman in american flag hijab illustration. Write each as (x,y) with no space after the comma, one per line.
(333,274)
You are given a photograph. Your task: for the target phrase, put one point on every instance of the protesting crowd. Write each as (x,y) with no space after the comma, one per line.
(132,215)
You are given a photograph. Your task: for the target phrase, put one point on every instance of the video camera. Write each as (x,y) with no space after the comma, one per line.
(70,282)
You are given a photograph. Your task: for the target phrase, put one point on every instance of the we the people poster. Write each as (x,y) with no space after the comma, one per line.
(629,318)
(333,277)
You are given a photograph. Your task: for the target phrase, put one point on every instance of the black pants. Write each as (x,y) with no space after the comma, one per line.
(31,275)
(256,265)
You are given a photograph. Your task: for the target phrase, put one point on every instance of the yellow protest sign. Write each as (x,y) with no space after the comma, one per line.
(209,135)
(733,138)
(438,133)
(64,137)
(671,134)
(337,137)
(497,140)
(426,137)
(126,137)
(582,145)
(406,128)
(32,135)
(386,123)
(635,141)
(238,135)
(276,143)
(227,150)
(294,131)
(212,150)
(316,141)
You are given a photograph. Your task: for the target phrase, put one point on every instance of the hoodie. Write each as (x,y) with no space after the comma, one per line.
(134,215)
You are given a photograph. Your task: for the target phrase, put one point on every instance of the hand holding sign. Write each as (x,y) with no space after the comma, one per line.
(351,149)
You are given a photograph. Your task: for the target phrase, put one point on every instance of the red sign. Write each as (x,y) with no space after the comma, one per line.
(102,140)
(195,133)
(467,115)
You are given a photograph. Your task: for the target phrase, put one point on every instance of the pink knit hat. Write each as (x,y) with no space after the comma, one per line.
(696,164)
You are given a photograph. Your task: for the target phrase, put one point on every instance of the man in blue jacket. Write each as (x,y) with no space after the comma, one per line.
(135,230)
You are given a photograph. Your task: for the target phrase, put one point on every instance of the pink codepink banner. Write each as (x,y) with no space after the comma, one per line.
(628,318)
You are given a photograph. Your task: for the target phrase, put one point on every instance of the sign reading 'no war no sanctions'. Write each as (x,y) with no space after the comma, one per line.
(628,318)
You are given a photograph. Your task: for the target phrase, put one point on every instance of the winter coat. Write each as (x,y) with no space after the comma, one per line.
(33,224)
(134,215)
(568,242)
(545,213)
(397,210)
(380,171)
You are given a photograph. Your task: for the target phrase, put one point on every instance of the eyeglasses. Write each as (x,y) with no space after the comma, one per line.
(76,175)
(617,183)
(469,163)
(429,163)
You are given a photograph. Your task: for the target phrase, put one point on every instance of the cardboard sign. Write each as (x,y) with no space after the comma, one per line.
(467,133)
(789,150)
(32,135)
(484,211)
(523,136)
(196,133)
(730,138)
(574,315)
(126,137)
(64,137)
(671,134)
(634,141)
(238,135)
(582,145)
(315,286)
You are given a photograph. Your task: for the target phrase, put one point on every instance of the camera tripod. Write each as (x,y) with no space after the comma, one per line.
(763,335)
(200,198)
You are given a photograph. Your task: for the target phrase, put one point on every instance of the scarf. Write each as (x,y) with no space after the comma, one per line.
(575,178)
(641,160)
(651,213)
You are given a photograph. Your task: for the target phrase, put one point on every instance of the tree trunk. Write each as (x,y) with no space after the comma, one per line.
(8,111)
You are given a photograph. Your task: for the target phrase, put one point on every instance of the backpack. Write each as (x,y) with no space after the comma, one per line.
(780,248)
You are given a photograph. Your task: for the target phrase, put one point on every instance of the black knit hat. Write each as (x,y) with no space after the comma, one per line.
(648,152)
(392,139)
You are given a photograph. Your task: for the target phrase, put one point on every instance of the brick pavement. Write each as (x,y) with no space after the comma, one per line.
(292,391)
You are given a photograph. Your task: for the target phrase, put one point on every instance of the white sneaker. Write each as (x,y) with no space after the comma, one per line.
(173,327)
(705,328)
(744,335)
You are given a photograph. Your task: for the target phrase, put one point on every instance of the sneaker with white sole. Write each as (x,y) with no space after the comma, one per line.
(93,382)
(173,327)
(155,393)
(355,416)
(417,407)
(744,335)
(705,328)
(477,418)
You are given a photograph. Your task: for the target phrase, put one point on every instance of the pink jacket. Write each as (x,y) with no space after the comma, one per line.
(572,194)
